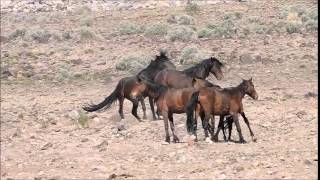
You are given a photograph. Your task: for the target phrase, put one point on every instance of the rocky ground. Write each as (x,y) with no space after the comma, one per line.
(55,61)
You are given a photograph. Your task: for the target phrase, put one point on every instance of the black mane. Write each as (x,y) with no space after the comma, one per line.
(200,70)
(203,69)
(161,62)
(153,89)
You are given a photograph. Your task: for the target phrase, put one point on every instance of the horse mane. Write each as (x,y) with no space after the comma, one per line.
(156,89)
(159,63)
(202,68)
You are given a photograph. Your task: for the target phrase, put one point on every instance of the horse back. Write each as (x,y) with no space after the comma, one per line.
(173,79)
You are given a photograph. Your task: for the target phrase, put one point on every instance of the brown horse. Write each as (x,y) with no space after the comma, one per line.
(183,79)
(132,89)
(173,101)
(227,101)
(127,88)
(160,63)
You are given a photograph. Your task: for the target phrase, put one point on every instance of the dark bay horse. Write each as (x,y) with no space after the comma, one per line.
(227,101)
(183,79)
(173,101)
(160,63)
(132,89)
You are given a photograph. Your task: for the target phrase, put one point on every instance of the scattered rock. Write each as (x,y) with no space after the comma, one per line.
(46,146)
(103,144)
(301,114)
(76,61)
(311,95)
(84,140)
(239,168)
(307,162)
(121,126)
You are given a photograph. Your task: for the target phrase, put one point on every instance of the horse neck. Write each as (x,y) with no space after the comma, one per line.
(241,91)
(192,72)
(156,90)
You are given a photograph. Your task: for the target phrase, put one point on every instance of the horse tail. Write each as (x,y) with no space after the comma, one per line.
(191,107)
(107,102)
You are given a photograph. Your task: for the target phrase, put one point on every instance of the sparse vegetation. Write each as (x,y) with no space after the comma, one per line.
(156,30)
(129,28)
(86,33)
(181,33)
(225,29)
(86,21)
(83,120)
(181,19)
(41,36)
(18,33)
(132,63)
(191,55)
(192,9)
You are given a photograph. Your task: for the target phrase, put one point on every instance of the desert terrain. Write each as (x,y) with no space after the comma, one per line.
(56,56)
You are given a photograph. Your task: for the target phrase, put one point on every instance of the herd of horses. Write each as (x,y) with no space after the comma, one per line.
(187,91)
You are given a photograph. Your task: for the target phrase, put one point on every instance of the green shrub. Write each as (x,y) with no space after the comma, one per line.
(186,20)
(83,120)
(82,10)
(225,29)
(232,16)
(293,27)
(40,36)
(181,19)
(192,9)
(181,33)
(311,25)
(190,55)
(86,33)
(156,30)
(132,63)
(127,29)
(18,33)
(205,33)
(86,21)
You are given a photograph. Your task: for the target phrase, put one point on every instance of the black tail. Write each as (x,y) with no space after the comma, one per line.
(191,106)
(108,101)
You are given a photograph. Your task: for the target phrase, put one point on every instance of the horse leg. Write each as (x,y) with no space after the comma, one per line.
(144,109)
(248,124)
(135,104)
(206,125)
(229,123)
(175,138)
(195,127)
(152,108)
(202,116)
(121,99)
(236,120)
(220,126)
(212,126)
(166,125)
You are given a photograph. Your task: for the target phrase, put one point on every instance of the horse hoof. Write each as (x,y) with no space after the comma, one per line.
(168,140)
(242,141)
(215,139)
(176,140)
(254,139)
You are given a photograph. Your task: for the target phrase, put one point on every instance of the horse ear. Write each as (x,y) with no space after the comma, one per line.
(139,79)
(193,81)
(250,79)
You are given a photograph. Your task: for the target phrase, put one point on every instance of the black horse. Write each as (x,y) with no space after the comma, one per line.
(160,63)
(132,89)
(183,79)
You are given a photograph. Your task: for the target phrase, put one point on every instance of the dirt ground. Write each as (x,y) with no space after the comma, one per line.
(41,136)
